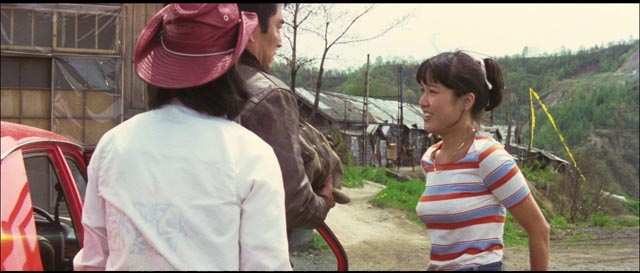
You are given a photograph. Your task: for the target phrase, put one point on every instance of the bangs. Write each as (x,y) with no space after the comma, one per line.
(425,74)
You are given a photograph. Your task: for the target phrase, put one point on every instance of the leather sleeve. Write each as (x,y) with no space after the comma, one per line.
(275,120)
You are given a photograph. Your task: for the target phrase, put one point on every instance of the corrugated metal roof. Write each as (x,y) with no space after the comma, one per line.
(372,128)
(353,132)
(550,154)
(333,107)
(380,111)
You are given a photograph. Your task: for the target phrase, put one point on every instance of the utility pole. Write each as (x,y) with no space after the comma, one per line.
(531,127)
(400,118)
(345,115)
(365,116)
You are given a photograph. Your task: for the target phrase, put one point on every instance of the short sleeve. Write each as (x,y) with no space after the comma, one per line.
(502,176)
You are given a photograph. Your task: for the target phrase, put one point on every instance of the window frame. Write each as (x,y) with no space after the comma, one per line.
(57,154)
(57,12)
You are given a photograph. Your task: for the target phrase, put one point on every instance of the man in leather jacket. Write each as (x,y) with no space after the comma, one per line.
(272,114)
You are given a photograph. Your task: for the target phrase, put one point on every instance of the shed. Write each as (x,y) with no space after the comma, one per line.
(67,68)
(344,112)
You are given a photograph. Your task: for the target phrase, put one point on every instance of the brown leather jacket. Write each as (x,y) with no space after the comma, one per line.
(272,114)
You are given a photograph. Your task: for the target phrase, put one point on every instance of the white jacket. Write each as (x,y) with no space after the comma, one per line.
(173,189)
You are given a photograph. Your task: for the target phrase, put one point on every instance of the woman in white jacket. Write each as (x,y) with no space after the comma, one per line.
(182,187)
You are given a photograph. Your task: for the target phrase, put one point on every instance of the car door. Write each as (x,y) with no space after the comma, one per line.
(56,175)
(20,250)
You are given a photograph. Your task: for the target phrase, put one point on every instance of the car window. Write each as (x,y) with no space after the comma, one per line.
(48,194)
(43,176)
(78,176)
(42,179)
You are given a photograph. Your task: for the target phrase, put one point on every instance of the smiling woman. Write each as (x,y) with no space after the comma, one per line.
(471,180)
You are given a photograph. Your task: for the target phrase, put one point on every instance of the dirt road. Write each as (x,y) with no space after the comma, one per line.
(383,239)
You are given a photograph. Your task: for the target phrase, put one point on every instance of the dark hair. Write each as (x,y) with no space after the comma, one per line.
(264,12)
(463,74)
(222,97)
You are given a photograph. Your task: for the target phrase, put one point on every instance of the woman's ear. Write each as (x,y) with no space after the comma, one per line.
(469,99)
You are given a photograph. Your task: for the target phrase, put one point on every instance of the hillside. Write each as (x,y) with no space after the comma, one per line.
(565,89)
(630,64)
(594,103)
(593,95)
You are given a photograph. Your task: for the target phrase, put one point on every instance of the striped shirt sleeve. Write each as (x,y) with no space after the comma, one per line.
(501,175)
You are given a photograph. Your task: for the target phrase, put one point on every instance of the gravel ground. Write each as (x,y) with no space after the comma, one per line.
(383,239)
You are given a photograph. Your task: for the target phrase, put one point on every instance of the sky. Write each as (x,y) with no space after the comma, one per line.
(485,30)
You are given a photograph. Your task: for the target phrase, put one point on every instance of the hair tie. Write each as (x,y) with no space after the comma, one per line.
(484,73)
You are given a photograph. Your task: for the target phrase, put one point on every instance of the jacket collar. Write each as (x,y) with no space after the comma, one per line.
(250,60)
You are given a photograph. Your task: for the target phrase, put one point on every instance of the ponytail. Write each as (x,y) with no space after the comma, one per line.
(495,78)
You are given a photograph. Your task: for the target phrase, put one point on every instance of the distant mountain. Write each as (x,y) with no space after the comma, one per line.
(631,64)
(593,95)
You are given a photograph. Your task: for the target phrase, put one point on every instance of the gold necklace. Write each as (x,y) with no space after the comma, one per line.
(450,154)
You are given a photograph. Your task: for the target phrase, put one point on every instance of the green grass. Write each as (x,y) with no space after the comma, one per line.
(405,195)
(633,206)
(626,223)
(599,220)
(354,176)
(582,237)
(559,222)
(319,242)
(401,195)
(514,235)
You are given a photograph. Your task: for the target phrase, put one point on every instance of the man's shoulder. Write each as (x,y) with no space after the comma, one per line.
(257,81)
(263,89)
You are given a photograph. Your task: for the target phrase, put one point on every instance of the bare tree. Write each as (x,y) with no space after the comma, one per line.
(336,34)
(298,14)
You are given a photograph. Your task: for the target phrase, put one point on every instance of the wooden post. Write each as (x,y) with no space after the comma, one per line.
(365,116)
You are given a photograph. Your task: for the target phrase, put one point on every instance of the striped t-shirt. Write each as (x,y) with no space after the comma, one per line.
(464,203)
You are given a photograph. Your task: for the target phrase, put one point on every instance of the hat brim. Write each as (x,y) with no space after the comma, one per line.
(158,67)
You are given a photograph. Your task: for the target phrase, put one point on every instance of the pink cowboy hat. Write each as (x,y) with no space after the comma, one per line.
(187,45)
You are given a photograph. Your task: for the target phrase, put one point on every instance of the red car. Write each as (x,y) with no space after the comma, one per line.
(43,185)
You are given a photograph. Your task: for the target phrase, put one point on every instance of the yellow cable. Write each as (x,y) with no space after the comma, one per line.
(533,119)
(544,107)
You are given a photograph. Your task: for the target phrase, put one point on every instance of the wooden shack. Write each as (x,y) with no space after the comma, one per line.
(384,129)
(68,68)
